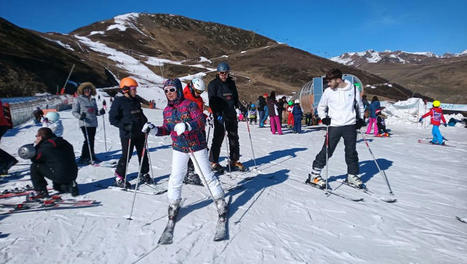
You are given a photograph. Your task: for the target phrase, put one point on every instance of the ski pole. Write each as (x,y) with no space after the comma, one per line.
(139,175)
(228,147)
(251,144)
(149,157)
(197,167)
(105,136)
(209,131)
(327,157)
(127,160)
(89,143)
(377,165)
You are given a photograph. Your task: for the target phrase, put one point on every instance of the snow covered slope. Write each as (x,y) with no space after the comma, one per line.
(275,217)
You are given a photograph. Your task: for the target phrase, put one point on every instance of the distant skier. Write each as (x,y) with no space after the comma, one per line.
(53,158)
(261,104)
(290,119)
(192,92)
(85,109)
(185,123)
(382,131)
(6,160)
(436,114)
(375,104)
(336,110)
(252,114)
(126,114)
(223,99)
(274,114)
(297,116)
(52,121)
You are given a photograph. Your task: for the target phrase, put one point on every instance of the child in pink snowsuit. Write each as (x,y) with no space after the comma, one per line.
(372,118)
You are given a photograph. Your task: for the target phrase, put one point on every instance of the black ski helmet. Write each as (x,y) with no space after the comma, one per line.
(27,151)
(223,67)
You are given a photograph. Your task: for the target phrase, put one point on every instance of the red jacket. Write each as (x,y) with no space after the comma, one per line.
(436,114)
(5,117)
(188,95)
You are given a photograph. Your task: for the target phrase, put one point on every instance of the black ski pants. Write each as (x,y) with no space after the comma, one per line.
(138,142)
(349,133)
(40,171)
(219,132)
(85,148)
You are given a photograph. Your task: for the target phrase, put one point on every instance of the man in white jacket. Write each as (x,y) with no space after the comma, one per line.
(337,110)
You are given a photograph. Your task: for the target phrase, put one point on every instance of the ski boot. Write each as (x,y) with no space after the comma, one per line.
(37,195)
(314,178)
(355,181)
(237,165)
(386,134)
(192,178)
(173,210)
(217,168)
(222,208)
(120,182)
(379,135)
(145,179)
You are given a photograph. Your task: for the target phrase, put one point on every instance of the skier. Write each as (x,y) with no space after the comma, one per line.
(85,109)
(126,114)
(436,114)
(223,99)
(252,114)
(337,111)
(375,104)
(274,114)
(53,158)
(192,92)
(382,131)
(290,118)
(52,121)
(297,116)
(185,123)
(6,160)
(261,103)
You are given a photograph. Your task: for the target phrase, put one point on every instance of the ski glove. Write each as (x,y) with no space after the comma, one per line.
(180,128)
(82,116)
(326,121)
(102,111)
(149,128)
(359,124)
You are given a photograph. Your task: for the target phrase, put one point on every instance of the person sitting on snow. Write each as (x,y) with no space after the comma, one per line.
(436,114)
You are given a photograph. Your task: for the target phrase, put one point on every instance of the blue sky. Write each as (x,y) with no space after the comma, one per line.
(324,28)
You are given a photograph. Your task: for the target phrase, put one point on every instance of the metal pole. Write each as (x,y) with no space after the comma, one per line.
(69,74)
(149,159)
(127,160)
(327,157)
(139,175)
(251,143)
(89,143)
(377,165)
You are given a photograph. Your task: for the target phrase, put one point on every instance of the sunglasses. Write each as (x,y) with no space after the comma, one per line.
(223,73)
(132,87)
(169,90)
(37,135)
(198,91)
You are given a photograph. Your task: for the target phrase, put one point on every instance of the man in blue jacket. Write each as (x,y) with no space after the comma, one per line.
(126,114)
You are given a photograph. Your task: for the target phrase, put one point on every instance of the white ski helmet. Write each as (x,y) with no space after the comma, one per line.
(198,84)
(27,151)
(52,116)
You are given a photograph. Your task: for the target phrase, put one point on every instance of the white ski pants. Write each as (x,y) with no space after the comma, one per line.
(179,170)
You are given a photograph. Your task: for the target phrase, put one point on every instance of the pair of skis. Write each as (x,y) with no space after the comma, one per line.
(221,232)
(363,190)
(53,203)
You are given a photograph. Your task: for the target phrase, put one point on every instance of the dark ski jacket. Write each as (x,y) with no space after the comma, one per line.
(272,106)
(297,111)
(223,98)
(126,114)
(58,155)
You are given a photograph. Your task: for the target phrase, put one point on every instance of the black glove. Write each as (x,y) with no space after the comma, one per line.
(127,127)
(359,124)
(326,121)
(82,116)
(102,111)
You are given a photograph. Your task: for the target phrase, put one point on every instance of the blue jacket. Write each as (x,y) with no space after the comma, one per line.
(373,107)
(297,111)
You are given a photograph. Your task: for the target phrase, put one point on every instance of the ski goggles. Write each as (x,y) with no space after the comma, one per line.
(171,89)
